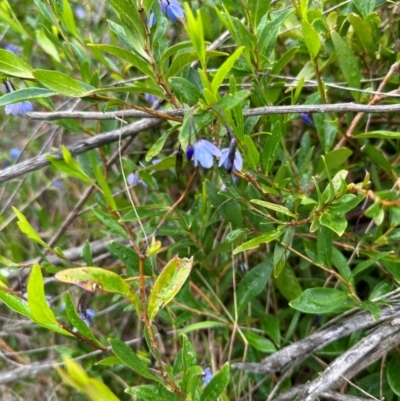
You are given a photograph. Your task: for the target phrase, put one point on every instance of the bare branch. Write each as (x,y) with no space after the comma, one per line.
(295,353)
(79,147)
(258,111)
(332,395)
(364,353)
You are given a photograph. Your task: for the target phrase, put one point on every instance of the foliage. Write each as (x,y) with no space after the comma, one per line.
(146,239)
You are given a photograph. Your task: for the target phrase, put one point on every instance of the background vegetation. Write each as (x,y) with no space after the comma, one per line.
(138,274)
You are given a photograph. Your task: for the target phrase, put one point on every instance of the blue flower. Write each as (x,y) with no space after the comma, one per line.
(152,20)
(16,108)
(151,99)
(80,12)
(204,152)
(14,153)
(207,376)
(236,164)
(307,118)
(172,8)
(87,316)
(189,152)
(133,179)
(12,49)
(58,184)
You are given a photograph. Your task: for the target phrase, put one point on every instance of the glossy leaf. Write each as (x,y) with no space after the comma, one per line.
(253,283)
(91,278)
(393,374)
(60,83)
(77,321)
(259,343)
(224,70)
(311,38)
(25,94)
(13,65)
(320,300)
(348,62)
(40,310)
(217,384)
(127,356)
(255,242)
(27,229)
(168,284)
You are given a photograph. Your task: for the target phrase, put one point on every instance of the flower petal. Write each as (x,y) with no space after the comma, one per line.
(238,162)
(211,148)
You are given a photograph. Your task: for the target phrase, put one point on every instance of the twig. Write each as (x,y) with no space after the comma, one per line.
(79,147)
(333,395)
(374,100)
(364,353)
(258,111)
(295,353)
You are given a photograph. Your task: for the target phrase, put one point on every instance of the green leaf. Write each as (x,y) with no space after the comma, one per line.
(270,325)
(27,229)
(185,89)
(15,303)
(270,32)
(287,283)
(87,254)
(127,256)
(191,382)
(195,32)
(224,70)
(128,357)
(253,156)
(271,147)
(334,159)
(320,300)
(217,384)
(311,38)
(345,204)
(325,246)
(379,135)
(77,377)
(68,18)
(348,63)
(110,222)
(158,145)
(275,207)
(25,94)
(393,374)
(232,100)
(365,7)
(334,222)
(188,353)
(90,278)
(376,156)
(60,83)
(11,64)
(168,284)
(129,15)
(132,58)
(363,32)
(76,321)
(209,324)
(153,393)
(253,283)
(101,179)
(255,242)
(69,166)
(260,343)
(228,208)
(258,9)
(41,312)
